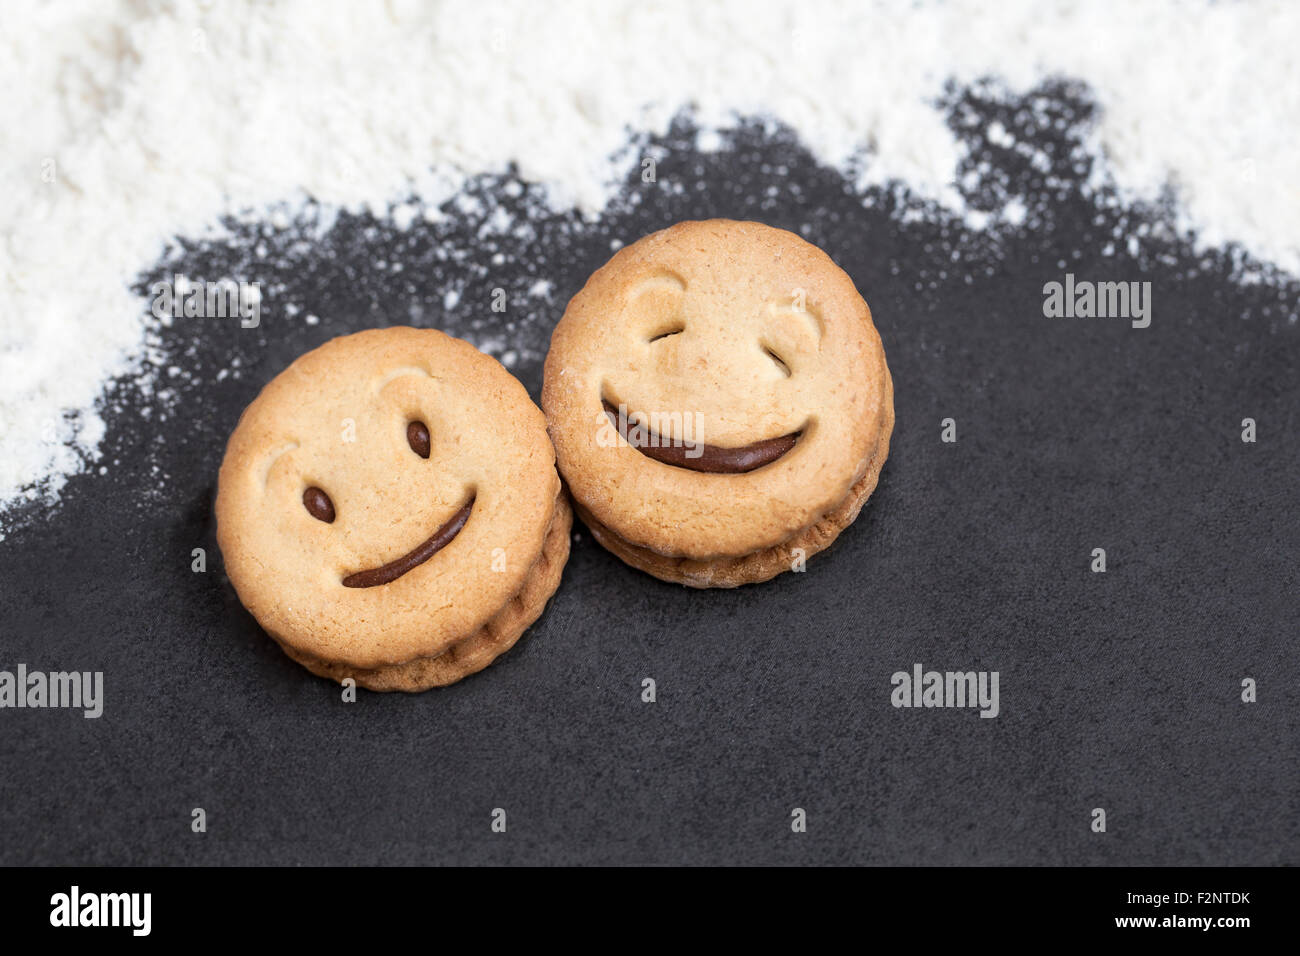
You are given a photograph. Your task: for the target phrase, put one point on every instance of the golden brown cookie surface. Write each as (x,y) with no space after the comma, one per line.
(386,499)
(715,392)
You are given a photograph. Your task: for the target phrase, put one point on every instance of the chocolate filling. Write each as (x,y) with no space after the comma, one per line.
(412,559)
(417,436)
(318,504)
(701,457)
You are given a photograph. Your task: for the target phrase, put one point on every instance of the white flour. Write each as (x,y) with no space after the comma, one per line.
(129,122)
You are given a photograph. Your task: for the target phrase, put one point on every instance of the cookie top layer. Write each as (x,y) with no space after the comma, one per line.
(440,483)
(729,334)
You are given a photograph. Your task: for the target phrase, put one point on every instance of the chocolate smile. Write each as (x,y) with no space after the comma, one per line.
(414,558)
(698,456)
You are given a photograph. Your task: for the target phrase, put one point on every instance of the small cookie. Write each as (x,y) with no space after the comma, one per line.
(389,510)
(719,402)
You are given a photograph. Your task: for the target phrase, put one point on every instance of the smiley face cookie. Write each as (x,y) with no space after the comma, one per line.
(719,402)
(389,510)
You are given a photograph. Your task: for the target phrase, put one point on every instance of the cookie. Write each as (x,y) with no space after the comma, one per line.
(719,402)
(389,510)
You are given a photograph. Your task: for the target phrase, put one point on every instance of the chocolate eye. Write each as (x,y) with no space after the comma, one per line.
(318,504)
(417,436)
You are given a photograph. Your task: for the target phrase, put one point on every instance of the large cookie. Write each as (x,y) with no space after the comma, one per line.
(389,509)
(719,402)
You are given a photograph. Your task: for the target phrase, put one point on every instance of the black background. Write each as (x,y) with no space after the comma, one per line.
(1118,690)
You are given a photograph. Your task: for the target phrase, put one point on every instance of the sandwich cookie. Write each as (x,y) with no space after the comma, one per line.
(389,510)
(719,402)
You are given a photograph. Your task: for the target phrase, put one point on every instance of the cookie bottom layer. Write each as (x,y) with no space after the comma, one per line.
(758,566)
(479,649)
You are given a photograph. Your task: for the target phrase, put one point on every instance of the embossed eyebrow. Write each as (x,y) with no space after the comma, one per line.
(670,281)
(672,321)
(400,372)
(273,458)
(811,315)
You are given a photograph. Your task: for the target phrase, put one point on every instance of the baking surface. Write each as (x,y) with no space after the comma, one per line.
(1119,690)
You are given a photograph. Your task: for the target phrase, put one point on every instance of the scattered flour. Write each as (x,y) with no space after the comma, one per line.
(131,122)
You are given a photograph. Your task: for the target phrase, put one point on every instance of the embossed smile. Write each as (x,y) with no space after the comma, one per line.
(697,456)
(413,558)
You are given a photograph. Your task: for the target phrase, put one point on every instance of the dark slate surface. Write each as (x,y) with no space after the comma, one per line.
(1118,690)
